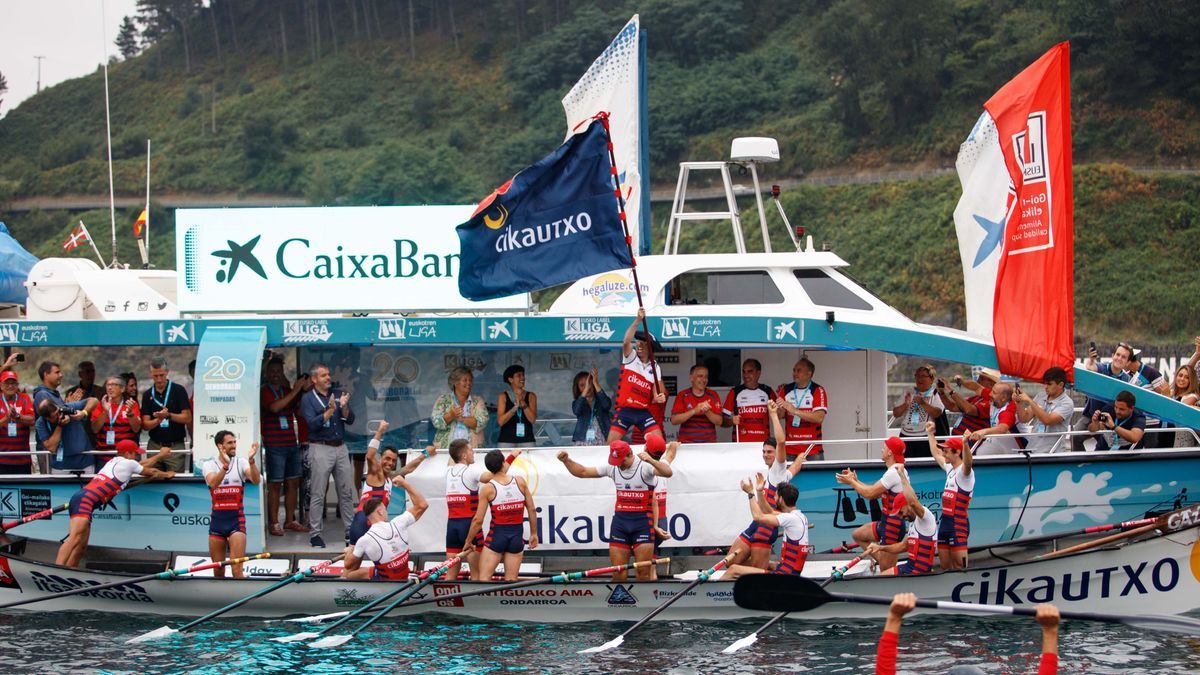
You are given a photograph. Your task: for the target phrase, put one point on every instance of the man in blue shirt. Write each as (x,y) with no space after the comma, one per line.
(65,435)
(1115,368)
(327,413)
(1121,426)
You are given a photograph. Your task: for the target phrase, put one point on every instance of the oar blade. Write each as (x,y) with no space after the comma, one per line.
(331,641)
(1168,624)
(611,644)
(296,637)
(741,644)
(319,618)
(156,634)
(779,593)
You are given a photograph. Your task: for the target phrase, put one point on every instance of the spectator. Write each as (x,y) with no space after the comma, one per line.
(327,412)
(166,412)
(19,418)
(1001,414)
(131,393)
(51,376)
(592,408)
(1194,362)
(903,603)
(1048,412)
(87,387)
(516,411)
(1115,368)
(981,389)
(62,431)
(697,409)
(746,405)
(918,407)
(641,388)
(459,413)
(1184,390)
(806,404)
(1123,424)
(278,402)
(1145,376)
(191,394)
(116,418)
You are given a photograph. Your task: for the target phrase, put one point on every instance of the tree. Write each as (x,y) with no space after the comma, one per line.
(3,86)
(128,41)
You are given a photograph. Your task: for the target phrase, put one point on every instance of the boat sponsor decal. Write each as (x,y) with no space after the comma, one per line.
(10,333)
(391,330)
(613,290)
(7,579)
(171,333)
(1143,578)
(620,595)
(350,597)
(498,330)
(587,328)
(1184,518)
(54,583)
(720,596)
(1057,507)
(554,528)
(306,331)
(448,589)
(785,330)
(21,502)
(191,520)
(682,328)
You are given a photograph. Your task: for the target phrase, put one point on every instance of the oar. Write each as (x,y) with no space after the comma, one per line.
(790,593)
(620,639)
(753,637)
(1127,534)
(408,592)
(346,616)
(844,547)
(1037,538)
(169,574)
(36,516)
(164,631)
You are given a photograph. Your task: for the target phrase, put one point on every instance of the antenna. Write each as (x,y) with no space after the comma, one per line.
(112,201)
(39,77)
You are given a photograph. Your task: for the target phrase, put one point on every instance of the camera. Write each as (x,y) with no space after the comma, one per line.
(66,411)
(1092,346)
(20,356)
(941,383)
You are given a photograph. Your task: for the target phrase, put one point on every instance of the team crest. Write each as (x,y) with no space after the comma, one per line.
(620,595)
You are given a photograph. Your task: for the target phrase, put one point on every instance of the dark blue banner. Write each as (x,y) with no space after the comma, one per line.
(554,222)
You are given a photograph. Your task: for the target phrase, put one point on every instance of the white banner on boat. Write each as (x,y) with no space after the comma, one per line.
(323,260)
(705,505)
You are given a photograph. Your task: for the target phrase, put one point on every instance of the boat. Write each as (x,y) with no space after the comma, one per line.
(1152,571)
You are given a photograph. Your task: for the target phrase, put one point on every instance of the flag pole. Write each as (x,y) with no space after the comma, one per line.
(112,202)
(637,286)
(92,242)
(144,239)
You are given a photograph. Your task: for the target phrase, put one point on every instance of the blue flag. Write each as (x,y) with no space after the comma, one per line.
(554,222)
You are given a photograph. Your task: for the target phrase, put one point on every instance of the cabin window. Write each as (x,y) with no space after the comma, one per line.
(825,291)
(724,288)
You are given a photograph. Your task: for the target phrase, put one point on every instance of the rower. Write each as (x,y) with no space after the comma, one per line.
(505,496)
(386,542)
(227,475)
(641,385)
(889,528)
(753,546)
(463,480)
(111,479)
(380,467)
(635,478)
(786,518)
(921,542)
(665,452)
(953,527)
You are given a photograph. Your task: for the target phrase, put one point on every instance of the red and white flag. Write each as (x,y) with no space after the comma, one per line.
(78,237)
(1015,226)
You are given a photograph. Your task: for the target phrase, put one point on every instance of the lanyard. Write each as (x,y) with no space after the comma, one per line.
(166,396)
(277,392)
(324,404)
(796,392)
(112,418)
(515,404)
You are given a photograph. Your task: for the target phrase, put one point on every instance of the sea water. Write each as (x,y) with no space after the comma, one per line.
(88,642)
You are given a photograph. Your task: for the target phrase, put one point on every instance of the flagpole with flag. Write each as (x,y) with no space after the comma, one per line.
(77,237)
(141,227)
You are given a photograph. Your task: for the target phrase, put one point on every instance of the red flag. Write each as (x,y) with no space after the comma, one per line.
(1034,309)
(79,237)
(139,225)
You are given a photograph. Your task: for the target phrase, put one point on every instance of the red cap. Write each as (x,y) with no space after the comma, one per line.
(8,375)
(655,445)
(897,446)
(955,443)
(617,452)
(899,502)
(128,446)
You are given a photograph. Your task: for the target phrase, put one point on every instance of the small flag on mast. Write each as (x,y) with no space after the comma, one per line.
(139,225)
(78,237)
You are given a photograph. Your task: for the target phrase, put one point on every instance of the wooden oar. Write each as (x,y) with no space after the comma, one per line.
(1038,538)
(620,639)
(169,574)
(790,593)
(1101,541)
(164,631)
(346,616)
(36,516)
(753,637)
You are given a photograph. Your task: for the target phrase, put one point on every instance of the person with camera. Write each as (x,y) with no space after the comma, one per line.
(1048,412)
(981,393)
(278,423)
(63,432)
(1120,424)
(1115,368)
(1001,414)
(327,412)
(166,414)
(18,412)
(116,418)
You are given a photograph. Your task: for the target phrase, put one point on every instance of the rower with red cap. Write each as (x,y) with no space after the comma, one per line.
(635,479)
(227,475)
(641,385)
(107,483)
(889,529)
(921,542)
(953,527)
(753,546)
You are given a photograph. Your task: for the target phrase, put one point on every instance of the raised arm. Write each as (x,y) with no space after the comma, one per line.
(756,500)
(416,503)
(968,458)
(252,474)
(412,464)
(933,445)
(627,342)
(576,469)
(849,477)
(660,467)
(909,493)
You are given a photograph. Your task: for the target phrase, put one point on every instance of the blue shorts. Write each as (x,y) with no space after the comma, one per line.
(759,535)
(223,524)
(283,463)
(953,531)
(359,527)
(506,538)
(662,525)
(628,418)
(456,535)
(630,530)
(889,530)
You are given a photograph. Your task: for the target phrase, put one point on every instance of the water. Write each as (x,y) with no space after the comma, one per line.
(438,644)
